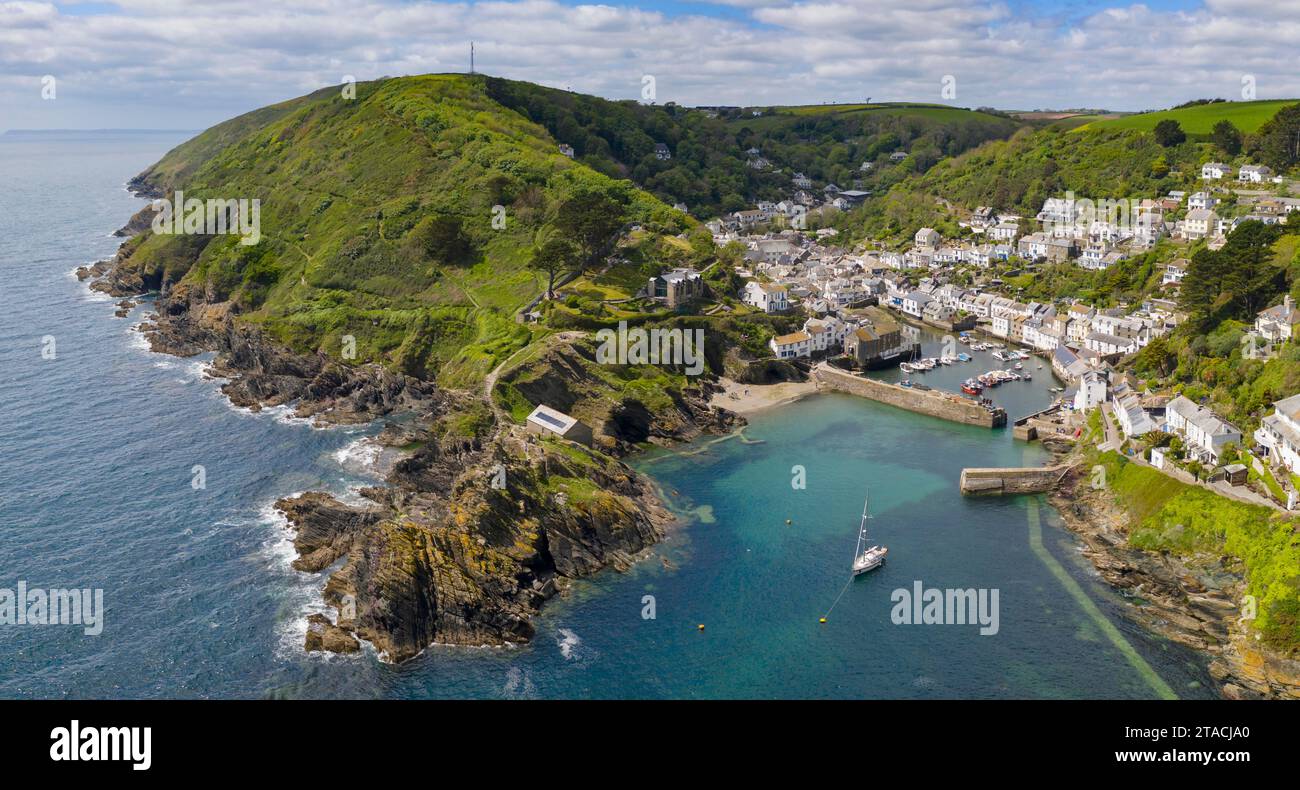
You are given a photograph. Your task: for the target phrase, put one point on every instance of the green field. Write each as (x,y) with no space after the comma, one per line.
(1247,116)
(931,112)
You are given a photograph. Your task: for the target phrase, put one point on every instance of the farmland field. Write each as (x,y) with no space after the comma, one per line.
(1199,120)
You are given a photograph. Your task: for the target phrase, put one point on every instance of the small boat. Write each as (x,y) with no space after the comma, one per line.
(870,558)
(964,357)
(971,387)
(906,367)
(1028,377)
(1019,366)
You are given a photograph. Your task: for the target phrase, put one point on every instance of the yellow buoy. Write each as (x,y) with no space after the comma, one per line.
(822,620)
(701,626)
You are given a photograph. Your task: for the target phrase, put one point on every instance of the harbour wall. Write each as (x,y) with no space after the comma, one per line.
(944,405)
(1022,480)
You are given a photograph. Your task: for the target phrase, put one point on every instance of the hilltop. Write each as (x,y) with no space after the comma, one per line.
(1199,119)
(404,232)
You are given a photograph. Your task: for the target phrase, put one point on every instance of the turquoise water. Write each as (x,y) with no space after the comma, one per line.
(96,450)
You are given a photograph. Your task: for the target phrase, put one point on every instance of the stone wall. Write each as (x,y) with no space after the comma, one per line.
(1023,480)
(944,405)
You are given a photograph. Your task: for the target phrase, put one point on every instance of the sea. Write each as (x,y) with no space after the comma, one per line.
(128,472)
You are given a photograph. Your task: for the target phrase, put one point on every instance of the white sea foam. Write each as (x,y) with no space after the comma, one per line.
(304,592)
(360,455)
(569,644)
(519,684)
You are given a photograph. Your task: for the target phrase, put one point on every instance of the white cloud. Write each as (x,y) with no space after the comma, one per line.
(163,64)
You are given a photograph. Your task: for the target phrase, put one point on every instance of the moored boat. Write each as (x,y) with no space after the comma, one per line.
(867,559)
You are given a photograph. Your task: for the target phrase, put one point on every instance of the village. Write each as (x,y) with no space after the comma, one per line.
(862,310)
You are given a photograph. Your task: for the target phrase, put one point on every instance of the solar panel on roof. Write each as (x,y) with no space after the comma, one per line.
(549,420)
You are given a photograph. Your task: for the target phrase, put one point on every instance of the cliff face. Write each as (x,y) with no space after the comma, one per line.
(1193,601)
(471,566)
(376,231)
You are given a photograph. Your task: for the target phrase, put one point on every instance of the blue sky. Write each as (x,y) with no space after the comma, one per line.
(159,63)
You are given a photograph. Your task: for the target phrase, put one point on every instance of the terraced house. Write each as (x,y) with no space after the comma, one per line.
(1279,433)
(1204,433)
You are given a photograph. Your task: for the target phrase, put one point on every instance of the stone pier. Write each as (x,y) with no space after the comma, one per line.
(1022,480)
(945,405)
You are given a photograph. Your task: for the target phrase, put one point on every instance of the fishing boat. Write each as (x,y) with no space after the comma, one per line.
(866,559)
(971,387)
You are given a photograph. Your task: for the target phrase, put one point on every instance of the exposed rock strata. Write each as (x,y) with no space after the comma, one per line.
(1192,601)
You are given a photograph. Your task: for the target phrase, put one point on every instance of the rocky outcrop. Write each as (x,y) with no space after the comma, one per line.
(471,565)
(262,373)
(1193,601)
(139,223)
(563,378)
(441,554)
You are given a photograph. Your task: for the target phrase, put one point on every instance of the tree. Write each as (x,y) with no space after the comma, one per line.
(552,255)
(1277,142)
(1227,137)
(1169,133)
(442,238)
(590,219)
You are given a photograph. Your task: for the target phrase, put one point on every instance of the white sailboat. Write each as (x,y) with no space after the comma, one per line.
(870,558)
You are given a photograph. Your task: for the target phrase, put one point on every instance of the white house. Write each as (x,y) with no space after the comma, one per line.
(1277,324)
(914,303)
(1212,171)
(795,344)
(1133,419)
(1091,391)
(1174,272)
(928,238)
(1107,345)
(1205,434)
(767,297)
(1255,174)
(1005,231)
(1279,433)
(1201,200)
(825,334)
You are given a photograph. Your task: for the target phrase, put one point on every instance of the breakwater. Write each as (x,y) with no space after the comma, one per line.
(1015,480)
(934,403)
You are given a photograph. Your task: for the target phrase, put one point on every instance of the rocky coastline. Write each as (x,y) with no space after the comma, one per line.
(1192,601)
(472,531)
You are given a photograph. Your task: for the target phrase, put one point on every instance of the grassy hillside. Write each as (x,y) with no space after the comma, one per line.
(1018,174)
(1199,119)
(708,169)
(377,221)
(1168,515)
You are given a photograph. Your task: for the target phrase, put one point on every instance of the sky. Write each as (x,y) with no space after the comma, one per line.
(170,64)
